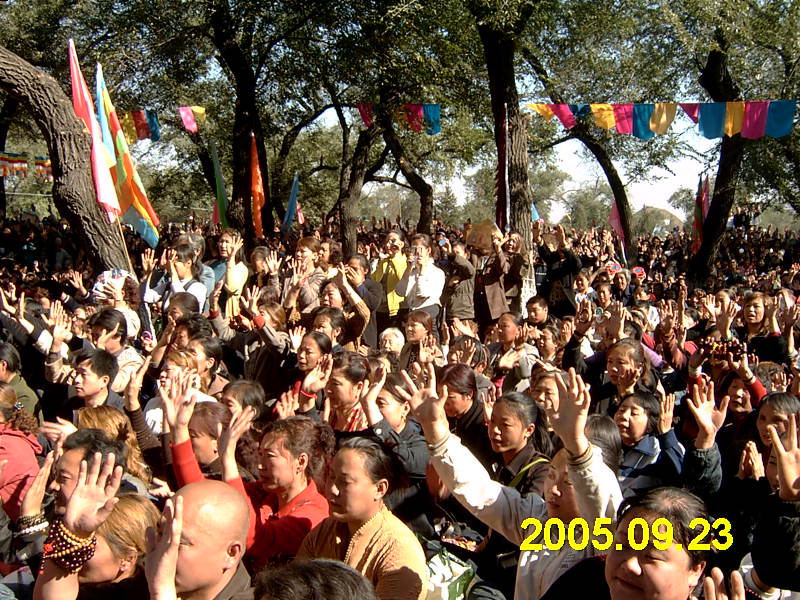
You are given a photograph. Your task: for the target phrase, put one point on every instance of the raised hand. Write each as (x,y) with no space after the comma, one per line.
(54,430)
(213,299)
(32,502)
(94,497)
(60,322)
(162,551)
(106,336)
(236,244)
(667,402)
(369,398)
(584,317)
(249,302)
(510,359)
(567,415)
(241,421)
(296,335)
(725,319)
(751,464)
(427,350)
(159,489)
(272,262)
(714,586)
(286,405)
(427,406)
(135,386)
(788,460)
(703,407)
(317,378)
(148,262)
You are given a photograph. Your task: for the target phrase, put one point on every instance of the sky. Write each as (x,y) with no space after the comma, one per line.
(654,192)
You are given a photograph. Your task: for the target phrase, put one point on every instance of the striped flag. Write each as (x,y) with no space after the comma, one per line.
(102,160)
(135,207)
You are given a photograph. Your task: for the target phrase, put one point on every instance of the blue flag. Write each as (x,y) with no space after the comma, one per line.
(534,212)
(291,208)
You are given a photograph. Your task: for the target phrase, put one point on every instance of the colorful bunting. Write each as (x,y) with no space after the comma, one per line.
(13,164)
(417,117)
(153,125)
(752,120)
(44,168)
(187,116)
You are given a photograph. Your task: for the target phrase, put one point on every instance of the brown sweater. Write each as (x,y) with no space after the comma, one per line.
(383,549)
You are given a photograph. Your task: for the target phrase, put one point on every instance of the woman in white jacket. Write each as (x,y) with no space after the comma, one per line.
(579,483)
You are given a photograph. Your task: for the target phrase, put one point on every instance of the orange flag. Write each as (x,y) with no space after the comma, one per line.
(256,186)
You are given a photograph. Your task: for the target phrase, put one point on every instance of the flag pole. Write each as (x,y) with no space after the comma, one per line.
(125,246)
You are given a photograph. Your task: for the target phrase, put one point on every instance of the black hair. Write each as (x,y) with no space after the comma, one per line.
(421,237)
(515,317)
(353,366)
(10,355)
(322,340)
(108,319)
(362,260)
(196,325)
(378,464)
(212,348)
(101,362)
(184,252)
(92,441)
(303,435)
(316,579)
(678,506)
(526,410)
(538,300)
(334,315)
(186,302)
(247,393)
(458,378)
(651,406)
(780,402)
(632,330)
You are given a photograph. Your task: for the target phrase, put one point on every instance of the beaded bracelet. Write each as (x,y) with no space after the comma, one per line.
(67,550)
(26,521)
(34,528)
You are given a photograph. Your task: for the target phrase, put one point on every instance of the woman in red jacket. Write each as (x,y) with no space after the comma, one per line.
(18,448)
(285,503)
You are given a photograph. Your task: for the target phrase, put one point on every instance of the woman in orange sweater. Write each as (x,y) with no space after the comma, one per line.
(285,503)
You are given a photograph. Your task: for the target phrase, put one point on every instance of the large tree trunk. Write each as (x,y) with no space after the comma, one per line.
(349,197)
(423,189)
(499,49)
(69,147)
(717,81)
(7,114)
(246,120)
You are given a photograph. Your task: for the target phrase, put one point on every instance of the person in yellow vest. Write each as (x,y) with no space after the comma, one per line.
(388,272)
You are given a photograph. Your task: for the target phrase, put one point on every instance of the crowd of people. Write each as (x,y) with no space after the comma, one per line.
(225,420)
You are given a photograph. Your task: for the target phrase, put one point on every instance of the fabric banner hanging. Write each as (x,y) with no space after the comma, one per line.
(187,116)
(780,118)
(140,122)
(692,110)
(433,118)
(712,119)
(603,115)
(662,117)
(153,124)
(641,121)
(754,121)
(734,116)
(256,187)
(564,114)
(623,115)
(543,109)
(415,117)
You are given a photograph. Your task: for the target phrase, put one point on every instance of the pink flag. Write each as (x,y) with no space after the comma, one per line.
(102,162)
(616,221)
(187,116)
(706,198)
(755,119)
(692,110)
(564,114)
(623,115)
(415,116)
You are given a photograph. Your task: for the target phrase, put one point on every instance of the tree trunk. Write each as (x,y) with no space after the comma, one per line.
(246,120)
(423,189)
(499,50)
(69,148)
(7,114)
(349,197)
(717,81)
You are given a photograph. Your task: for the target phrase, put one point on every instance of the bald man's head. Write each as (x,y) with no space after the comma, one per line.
(218,506)
(213,540)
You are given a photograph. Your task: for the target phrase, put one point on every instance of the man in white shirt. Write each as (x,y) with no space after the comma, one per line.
(423,282)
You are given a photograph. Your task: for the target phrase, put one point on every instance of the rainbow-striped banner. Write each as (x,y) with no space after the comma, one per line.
(751,120)
(13,164)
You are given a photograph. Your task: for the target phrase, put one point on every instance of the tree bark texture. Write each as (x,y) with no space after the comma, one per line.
(69,147)
(499,50)
(717,81)
(349,197)
(7,114)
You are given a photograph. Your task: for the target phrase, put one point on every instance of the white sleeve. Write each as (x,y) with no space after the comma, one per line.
(498,506)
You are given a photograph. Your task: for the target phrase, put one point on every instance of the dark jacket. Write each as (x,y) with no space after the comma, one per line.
(562,268)
(372,293)
(458,296)
(776,544)
(490,295)
(471,429)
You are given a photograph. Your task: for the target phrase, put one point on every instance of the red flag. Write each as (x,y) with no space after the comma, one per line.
(140,123)
(301,218)
(697,225)
(256,187)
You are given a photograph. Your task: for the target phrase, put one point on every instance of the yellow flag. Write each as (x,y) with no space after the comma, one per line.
(603,115)
(128,128)
(662,117)
(542,109)
(199,115)
(734,116)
